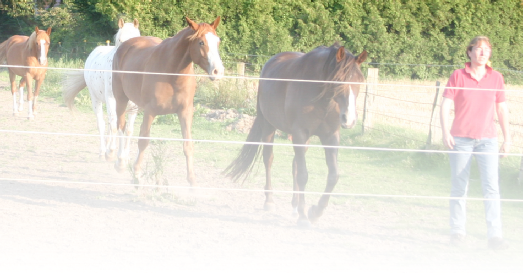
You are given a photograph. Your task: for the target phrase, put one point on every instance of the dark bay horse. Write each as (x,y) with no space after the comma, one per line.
(163,94)
(28,51)
(303,109)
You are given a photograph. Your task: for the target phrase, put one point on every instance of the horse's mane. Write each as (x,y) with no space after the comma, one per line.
(31,41)
(342,71)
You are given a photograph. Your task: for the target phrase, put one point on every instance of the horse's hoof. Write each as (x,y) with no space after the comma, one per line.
(120,166)
(31,117)
(269,206)
(304,223)
(295,212)
(110,157)
(313,216)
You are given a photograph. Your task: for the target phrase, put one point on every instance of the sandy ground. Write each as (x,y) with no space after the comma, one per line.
(57,216)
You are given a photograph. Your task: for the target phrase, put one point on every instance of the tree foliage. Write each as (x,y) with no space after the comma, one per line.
(392,31)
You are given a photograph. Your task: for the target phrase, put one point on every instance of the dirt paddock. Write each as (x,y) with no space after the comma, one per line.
(56,215)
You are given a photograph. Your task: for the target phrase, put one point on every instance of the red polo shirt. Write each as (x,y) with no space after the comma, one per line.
(474,109)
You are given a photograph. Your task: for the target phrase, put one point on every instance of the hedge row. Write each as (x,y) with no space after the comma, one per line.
(394,31)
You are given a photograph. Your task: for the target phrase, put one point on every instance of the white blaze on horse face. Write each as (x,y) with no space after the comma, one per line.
(43,58)
(351,109)
(213,56)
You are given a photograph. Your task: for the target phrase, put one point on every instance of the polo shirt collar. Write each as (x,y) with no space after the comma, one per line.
(467,68)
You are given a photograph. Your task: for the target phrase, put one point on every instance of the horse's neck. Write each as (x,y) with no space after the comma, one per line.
(176,55)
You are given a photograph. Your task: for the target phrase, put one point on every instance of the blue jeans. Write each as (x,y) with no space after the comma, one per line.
(460,172)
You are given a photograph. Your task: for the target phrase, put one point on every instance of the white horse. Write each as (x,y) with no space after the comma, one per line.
(100,88)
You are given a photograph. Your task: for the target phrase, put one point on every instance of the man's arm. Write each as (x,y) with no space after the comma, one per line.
(502,111)
(448,139)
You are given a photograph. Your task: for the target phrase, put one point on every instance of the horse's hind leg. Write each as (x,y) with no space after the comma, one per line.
(331,157)
(268,156)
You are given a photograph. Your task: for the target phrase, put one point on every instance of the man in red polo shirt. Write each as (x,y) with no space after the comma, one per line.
(477,92)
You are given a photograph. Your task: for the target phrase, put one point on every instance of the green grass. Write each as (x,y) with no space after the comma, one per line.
(370,172)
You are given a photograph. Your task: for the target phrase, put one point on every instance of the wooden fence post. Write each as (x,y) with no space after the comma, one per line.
(372,80)
(240,68)
(433,121)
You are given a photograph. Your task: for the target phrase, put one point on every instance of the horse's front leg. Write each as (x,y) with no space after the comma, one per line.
(185,116)
(132,112)
(98,111)
(302,175)
(145,132)
(268,156)
(39,82)
(21,89)
(30,96)
(295,196)
(123,154)
(331,157)
(110,150)
(14,92)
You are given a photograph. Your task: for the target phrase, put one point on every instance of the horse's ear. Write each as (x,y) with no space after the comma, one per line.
(340,55)
(135,22)
(120,23)
(216,22)
(48,31)
(36,29)
(192,24)
(362,57)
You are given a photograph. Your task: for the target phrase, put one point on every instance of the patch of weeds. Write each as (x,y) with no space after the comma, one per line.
(31,149)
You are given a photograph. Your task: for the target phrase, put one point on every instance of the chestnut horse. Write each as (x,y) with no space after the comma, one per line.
(100,85)
(30,51)
(161,94)
(303,109)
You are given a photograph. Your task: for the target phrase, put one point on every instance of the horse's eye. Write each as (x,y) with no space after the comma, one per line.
(201,43)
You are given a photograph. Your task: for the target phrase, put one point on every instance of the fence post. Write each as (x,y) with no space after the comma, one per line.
(433,121)
(372,80)
(240,68)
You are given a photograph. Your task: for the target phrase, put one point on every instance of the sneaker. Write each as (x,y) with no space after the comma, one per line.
(456,239)
(497,243)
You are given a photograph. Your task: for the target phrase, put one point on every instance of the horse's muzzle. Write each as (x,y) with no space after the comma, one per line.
(42,61)
(345,124)
(216,73)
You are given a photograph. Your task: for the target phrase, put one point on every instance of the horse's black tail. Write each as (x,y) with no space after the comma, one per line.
(243,164)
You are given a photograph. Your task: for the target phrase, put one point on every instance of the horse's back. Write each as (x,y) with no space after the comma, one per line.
(132,55)
(133,52)
(16,46)
(99,82)
(282,102)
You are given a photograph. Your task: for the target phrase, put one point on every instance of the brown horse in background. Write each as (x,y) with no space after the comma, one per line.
(30,51)
(163,94)
(303,109)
